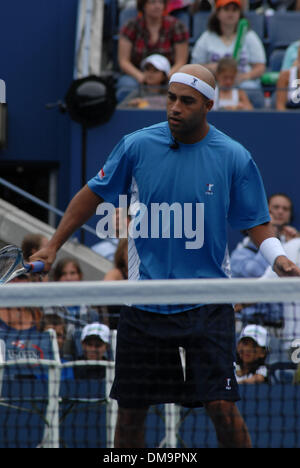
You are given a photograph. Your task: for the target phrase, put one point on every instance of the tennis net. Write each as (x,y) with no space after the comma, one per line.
(52,394)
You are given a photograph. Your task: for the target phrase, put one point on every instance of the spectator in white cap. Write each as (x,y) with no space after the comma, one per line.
(251,355)
(156,69)
(152,94)
(94,342)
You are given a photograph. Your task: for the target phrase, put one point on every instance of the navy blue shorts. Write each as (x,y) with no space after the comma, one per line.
(149,368)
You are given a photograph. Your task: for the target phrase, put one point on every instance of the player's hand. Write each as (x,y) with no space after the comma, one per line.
(285,267)
(46,254)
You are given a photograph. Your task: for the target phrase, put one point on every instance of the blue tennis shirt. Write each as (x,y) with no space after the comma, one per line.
(181,201)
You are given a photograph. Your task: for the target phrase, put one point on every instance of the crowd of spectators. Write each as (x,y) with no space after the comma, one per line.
(159,29)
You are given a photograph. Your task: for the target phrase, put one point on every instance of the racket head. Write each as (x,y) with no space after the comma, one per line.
(10,257)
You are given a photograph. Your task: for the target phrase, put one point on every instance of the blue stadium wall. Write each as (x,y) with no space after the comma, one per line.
(37,40)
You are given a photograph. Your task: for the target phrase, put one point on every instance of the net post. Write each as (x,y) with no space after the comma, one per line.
(51,431)
(112,406)
(172,419)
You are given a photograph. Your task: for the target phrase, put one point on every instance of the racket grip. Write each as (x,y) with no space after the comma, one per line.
(36,267)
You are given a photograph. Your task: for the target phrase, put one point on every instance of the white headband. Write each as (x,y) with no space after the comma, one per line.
(194,82)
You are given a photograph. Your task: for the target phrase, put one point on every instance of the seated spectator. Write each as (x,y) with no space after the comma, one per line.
(251,355)
(226,95)
(219,41)
(111,314)
(20,318)
(68,269)
(151,32)
(94,342)
(281,211)
(247,262)
(52,319)
(291,310)
(153,93)
(288,87)
(291,56)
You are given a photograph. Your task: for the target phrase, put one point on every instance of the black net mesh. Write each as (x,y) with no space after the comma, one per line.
(54,394)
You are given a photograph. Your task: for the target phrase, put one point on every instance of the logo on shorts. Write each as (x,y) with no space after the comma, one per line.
(228,384)
(101,174)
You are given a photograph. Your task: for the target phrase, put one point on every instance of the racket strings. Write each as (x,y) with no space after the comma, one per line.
(8,261)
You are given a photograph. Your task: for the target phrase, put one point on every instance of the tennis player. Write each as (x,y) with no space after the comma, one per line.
(183,162)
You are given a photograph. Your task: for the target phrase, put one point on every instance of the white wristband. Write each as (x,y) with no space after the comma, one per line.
(270,249)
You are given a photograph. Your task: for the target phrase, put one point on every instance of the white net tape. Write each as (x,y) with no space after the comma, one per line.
(209,291)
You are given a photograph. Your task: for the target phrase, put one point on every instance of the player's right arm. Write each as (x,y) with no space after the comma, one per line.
(80,209)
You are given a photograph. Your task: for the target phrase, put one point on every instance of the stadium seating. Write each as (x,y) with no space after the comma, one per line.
(199,24)
(275,59)
(257,23)
(20,345)
(282,372)
(283,28)
(184,17)
(126,15)
(23,354)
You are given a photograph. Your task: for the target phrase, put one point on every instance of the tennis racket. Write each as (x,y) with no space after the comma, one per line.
(11,258)
(242,29)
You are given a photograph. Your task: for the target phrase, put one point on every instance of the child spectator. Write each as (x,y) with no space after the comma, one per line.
(94,342)
(251,355)
(52,319)
(55,321)
(227,97)
(152,94)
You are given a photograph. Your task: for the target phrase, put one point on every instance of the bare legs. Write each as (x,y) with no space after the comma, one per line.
(130,428)
(230,427)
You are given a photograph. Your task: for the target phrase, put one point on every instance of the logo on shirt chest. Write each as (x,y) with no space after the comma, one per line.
(209,189)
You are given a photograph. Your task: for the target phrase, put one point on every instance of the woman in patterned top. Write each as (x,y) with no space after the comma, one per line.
(151,32)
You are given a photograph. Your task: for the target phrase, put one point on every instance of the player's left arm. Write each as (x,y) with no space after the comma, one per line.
(264,237)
